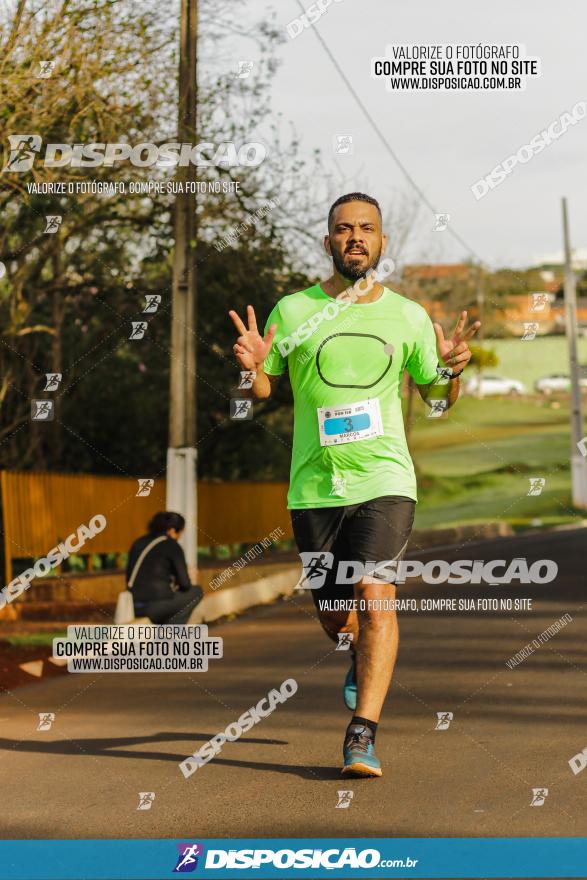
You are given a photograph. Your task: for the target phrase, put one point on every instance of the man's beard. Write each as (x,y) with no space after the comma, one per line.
(344,266)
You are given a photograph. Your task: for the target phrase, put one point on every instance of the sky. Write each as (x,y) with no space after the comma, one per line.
(446,140)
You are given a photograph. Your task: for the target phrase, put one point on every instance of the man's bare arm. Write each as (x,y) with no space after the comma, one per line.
(263,386)
(435,391)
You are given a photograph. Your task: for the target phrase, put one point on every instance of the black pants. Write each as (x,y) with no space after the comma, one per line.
(176,609)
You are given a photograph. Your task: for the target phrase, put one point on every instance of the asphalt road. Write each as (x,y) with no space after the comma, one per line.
(116,735)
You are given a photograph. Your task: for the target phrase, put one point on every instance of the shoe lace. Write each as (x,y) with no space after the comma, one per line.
(359,740)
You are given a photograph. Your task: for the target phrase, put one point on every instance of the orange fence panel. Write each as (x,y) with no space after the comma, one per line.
(41,509)
(243,512)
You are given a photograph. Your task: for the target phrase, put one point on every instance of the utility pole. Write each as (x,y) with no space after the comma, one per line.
(181,454)
(578,461)
(480,297)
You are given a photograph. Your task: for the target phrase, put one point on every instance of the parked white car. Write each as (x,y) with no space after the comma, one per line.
(494,385)
(556,382)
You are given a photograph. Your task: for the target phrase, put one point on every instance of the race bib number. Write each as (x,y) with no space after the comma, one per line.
(350,423)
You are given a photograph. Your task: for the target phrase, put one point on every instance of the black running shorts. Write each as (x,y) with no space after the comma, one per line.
(375,531)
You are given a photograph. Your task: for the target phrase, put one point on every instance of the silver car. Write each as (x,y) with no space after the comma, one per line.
(494,386)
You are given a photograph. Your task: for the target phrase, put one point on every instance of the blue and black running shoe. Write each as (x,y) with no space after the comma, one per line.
(359,754)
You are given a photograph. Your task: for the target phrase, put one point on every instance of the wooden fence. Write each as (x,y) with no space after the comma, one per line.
(41,509)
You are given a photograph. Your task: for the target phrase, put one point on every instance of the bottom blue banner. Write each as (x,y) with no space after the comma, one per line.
(286,858)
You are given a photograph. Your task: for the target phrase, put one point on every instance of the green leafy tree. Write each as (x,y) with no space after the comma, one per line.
(67,299)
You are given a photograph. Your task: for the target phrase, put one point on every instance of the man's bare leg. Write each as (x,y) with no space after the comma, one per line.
(376,647)
(334,622)
(376,650)
(375,644)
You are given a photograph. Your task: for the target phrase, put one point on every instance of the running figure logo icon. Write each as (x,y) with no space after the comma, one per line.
(42,410)
(539,795)
(145,487)
(52,381)
(444,719)
(344,800)
(244,69)
(441,222)
(46,719)
(438,408)
(345,641)
(343,144)
(247,377)
(444,375)
(53,222)
(152,302)
(538,301)
(187,860)
(339,483)
(537,484)
(23,150)
(139,328)
(146,799)
(316,567)
(46,69)
(241,408)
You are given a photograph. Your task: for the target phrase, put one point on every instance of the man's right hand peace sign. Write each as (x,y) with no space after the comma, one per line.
(251,348)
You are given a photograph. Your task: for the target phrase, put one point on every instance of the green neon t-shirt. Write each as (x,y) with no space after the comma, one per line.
(345,363)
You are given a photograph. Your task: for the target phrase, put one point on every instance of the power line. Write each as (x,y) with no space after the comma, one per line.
(383,140)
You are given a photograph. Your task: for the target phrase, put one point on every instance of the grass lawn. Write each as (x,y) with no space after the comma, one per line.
(44,639)
(475,465)
(533,359)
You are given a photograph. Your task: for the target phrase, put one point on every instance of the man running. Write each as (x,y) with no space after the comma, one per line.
(346,343)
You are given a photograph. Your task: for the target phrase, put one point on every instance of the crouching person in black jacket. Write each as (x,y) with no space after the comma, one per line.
(157,574)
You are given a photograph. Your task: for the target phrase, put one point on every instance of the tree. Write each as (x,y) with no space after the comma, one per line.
(67,299)
(482,357)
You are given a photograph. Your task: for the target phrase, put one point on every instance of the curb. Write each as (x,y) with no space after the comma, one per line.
(235,600)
